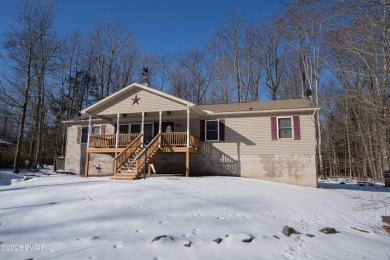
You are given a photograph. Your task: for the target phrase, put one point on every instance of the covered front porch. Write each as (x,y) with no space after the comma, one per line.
(141,122)
(139,137)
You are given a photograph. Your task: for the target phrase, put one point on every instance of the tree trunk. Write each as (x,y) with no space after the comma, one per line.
(23,113)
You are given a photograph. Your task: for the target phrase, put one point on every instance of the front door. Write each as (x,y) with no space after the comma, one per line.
(148,132)
(168,127)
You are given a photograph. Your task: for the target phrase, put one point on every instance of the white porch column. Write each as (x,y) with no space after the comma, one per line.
(160,122)
(142,128)
(117,130)
(159,127)
(89,129)
(188,128)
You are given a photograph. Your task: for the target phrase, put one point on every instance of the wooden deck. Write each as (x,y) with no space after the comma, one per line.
(129,151)
(175,142)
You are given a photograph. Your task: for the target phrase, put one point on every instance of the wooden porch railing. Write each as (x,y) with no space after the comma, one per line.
(150,151)
(194,141)
(173,139)
(178,139)
(109,141)
(121,158)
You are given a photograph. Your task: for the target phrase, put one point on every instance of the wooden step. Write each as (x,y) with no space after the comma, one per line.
(128,171)
(125,176)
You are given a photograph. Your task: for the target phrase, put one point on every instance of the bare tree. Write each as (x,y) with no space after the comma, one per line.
(200,68)
(34,20)
(231,42)
(268,41)
(253,65)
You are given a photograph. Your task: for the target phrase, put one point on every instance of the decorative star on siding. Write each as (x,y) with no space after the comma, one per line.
(135,100)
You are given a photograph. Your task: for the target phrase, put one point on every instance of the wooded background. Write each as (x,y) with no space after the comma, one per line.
(339,49)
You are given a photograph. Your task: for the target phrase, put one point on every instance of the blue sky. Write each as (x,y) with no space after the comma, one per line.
(161,27)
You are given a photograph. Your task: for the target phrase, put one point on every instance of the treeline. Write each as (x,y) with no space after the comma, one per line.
(339,49)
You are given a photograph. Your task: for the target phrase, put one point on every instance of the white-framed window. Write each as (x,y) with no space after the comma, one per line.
(124,129)
(212,130)
(285,128)
(135,128)
(84,132)
(148,130)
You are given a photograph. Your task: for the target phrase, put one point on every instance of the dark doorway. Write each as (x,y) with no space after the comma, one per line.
(168,127)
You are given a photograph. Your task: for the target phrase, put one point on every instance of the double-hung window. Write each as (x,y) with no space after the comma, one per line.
(84,133)
(212,130)
(285,128)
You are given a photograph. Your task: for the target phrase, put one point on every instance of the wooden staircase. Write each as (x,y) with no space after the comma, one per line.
(129,164)
(128,170)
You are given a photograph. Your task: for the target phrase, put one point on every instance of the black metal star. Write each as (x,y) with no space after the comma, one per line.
(135,100)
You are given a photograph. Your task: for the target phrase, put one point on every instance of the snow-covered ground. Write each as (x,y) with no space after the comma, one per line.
(68,217)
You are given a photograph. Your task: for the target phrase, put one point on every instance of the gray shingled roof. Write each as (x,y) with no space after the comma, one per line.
(259,106)
(272,105)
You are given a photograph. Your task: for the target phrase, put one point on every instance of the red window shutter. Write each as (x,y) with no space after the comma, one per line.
(103,129)
(202,130)
(297,128)
(221,129)
(274,128)
(79,134)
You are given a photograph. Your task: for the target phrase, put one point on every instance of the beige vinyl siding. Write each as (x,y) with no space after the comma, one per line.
(252,135)
(149,102)
(75,153)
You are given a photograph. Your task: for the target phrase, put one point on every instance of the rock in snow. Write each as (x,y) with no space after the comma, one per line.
(157,238)
(217,240)
(247,240)
(288,231)
(328,230)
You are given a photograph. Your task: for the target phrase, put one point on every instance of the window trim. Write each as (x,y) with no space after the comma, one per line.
(81,134)
(292,127)
(131,124)
(205,130)
(128,129)
(140,127)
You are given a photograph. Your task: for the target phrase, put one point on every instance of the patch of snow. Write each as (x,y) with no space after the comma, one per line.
(98,218)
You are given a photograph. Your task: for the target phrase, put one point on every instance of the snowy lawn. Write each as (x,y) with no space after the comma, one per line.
(68,217)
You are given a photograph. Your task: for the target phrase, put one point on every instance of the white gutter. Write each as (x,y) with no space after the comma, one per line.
(210,113)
